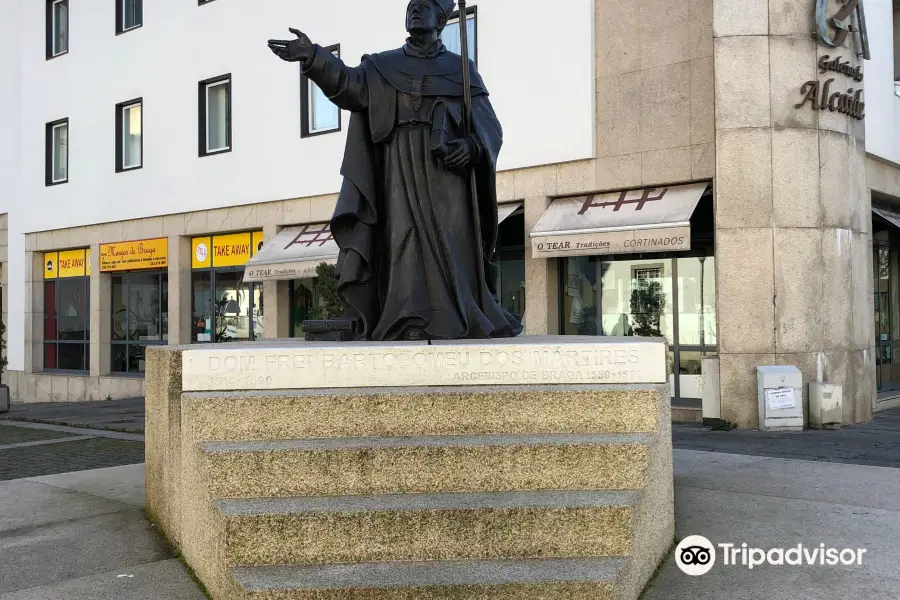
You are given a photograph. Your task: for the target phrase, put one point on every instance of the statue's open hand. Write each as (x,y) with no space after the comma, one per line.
(301,49)
(458,154)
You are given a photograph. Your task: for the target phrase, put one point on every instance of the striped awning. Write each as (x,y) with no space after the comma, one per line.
(293,254)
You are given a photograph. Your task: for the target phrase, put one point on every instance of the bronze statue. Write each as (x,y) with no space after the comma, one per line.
(411,266)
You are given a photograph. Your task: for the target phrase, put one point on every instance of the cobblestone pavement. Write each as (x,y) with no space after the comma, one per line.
(19,435)
(115,415)
(31,450)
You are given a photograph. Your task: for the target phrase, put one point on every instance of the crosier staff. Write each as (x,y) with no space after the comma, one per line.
(473,186)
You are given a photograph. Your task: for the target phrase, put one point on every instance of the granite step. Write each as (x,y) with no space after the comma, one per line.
(531,579)
(410,412)
(449,526)
(426,464)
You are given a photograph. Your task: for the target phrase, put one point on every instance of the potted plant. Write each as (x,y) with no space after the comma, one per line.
(4,389)
(330,305)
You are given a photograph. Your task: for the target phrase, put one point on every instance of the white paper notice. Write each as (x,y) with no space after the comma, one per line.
(781,398)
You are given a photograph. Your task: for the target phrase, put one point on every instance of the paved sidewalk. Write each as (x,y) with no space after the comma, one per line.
(116,415)
(876,443)
(777,503)
(84,536)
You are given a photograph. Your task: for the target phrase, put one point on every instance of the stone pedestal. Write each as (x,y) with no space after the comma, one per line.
(525,468)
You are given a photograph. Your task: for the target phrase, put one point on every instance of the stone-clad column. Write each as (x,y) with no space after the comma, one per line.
(34,312)
(541,284)
(793,217)
(276,298)
(101,316)
(180,292)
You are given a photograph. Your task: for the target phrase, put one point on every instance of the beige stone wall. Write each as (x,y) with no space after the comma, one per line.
(654,92)
(883,178)
(793,220)
(655,122)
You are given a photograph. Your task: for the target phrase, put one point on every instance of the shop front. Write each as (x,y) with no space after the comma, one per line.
(886,276)
(294,255)
(139,284)
(638,263)
(67,310)
(225,306)
(305,256)
(510,259)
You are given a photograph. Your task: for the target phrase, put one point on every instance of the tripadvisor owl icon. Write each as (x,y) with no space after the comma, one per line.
(695,555)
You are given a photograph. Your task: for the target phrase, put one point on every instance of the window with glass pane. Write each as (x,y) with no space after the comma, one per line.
(303,302)
(510,261)
(451,38)
(259,322)
(131,14)
(618,298)
(139,303)
(67,324)
(59,27)
(60,153)
(232,305)
(132,126)
(321,114)
(202,306)
(217,116)
(697,301)
(225,308)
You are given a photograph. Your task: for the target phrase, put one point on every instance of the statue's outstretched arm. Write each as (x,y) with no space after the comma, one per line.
(345,86)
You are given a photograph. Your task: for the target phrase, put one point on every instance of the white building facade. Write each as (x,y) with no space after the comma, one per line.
(151,150)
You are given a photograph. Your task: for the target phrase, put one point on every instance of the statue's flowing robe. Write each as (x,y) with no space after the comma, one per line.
(404,221)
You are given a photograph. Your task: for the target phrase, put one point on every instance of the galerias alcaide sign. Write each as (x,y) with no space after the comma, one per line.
(836,20)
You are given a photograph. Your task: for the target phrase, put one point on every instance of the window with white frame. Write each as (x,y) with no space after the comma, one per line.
(129,135)
(130,15)
(320,115)
(57,153)
(57,27)
(215,115)
(450,35)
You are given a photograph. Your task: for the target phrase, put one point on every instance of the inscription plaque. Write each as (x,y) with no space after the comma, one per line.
(292,365)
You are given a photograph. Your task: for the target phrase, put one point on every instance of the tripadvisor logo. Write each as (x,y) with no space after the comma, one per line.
(696,555)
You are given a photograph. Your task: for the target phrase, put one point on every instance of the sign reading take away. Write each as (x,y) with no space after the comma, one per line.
(133,256)
(67,263)
(229,250)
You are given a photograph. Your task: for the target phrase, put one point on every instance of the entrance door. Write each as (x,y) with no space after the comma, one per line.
(886,375)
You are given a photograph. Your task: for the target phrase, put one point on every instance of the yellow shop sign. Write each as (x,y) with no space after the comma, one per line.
(133,256)
(230,250)
(67,263)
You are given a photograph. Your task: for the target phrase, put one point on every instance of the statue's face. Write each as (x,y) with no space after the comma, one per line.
(424,15)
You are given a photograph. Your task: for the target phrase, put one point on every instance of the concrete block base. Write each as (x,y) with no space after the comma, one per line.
(502,492)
